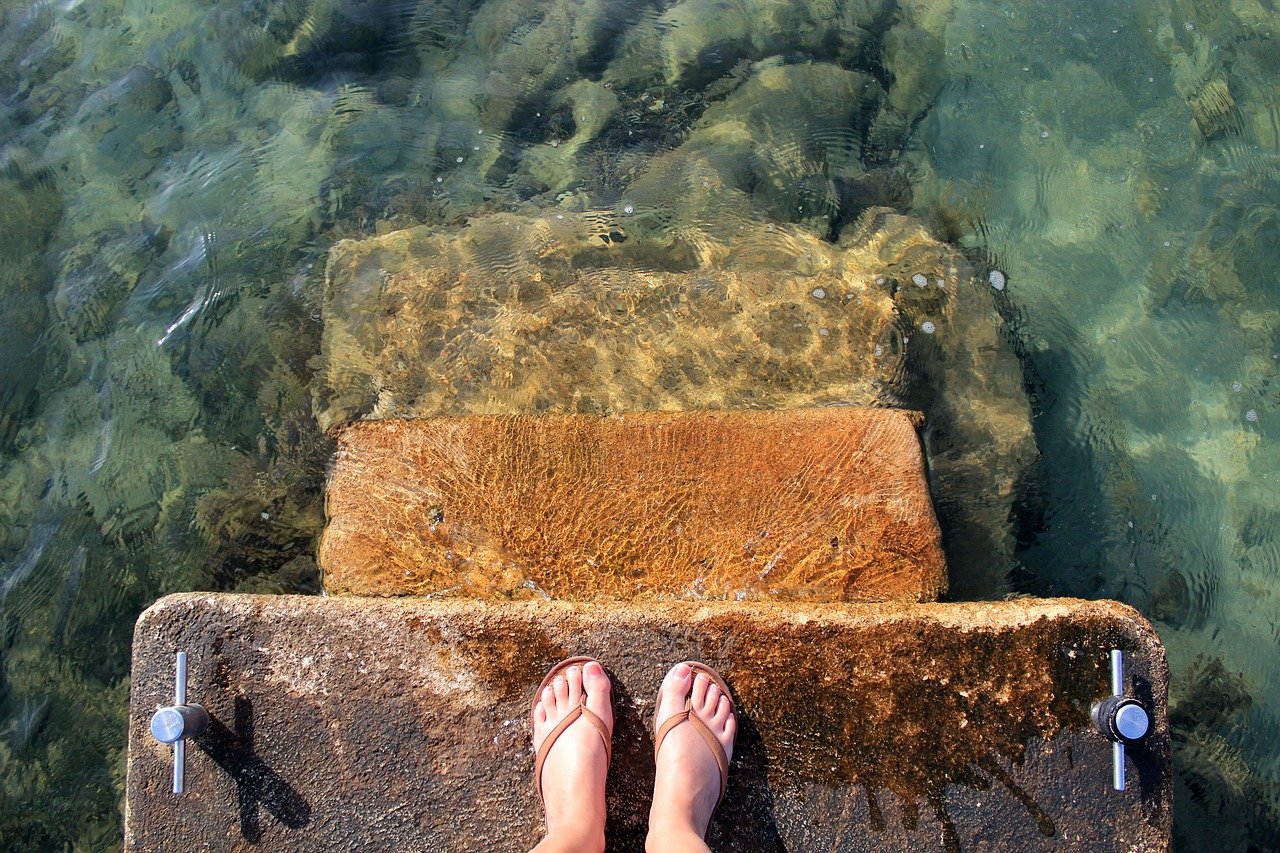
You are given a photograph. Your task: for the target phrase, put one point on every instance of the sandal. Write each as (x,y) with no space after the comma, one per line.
(569,719)
(688,715)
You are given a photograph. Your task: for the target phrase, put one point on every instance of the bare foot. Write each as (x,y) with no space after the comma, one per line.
(686,787)
(574,771)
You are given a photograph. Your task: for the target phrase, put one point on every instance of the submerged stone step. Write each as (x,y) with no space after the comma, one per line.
(604,312)
(822,504)
(345,723)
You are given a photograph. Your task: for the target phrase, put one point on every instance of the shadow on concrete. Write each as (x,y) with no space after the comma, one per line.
(745,821)
(256,783)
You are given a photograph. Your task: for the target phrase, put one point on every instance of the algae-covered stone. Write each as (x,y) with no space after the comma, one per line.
(31,208)
(533,49)
(1214,109)
(591,105)
(912,53)
(783,141)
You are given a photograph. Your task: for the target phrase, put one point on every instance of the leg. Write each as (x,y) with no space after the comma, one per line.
(687,784)
(573,774)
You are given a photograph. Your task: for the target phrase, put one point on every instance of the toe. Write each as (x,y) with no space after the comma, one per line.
(675,689)
(573,675)
(729,730)
(560,686)
(710,702)
(698,698)
(596,686)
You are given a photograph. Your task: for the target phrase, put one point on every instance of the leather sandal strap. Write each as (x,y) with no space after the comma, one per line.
(569,719)
(700,726)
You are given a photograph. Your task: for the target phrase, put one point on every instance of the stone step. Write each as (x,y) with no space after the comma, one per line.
(402,724)
(552,311)
(823,504)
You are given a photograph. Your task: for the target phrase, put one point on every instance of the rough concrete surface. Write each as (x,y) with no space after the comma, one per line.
(822,504)
(394,724)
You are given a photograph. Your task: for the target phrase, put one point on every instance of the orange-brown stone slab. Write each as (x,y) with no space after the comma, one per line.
(823,504)
(403,724)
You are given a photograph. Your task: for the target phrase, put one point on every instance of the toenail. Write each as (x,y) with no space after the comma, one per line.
(593,669)
(682,670)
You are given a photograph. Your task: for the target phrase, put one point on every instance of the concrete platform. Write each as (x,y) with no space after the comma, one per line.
(376,724)
(821,504)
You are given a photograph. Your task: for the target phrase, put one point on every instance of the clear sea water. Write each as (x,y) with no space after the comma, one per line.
(173,173)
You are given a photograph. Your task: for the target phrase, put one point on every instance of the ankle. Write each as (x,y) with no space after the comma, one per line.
(685,803)
(666,835)
(573,836)
(579,819)
(669,812)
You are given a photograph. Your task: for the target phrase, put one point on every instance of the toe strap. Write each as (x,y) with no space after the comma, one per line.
(569,719)
(688,715)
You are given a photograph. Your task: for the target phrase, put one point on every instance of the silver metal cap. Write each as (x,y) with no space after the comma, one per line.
(168,725)
(1132,722)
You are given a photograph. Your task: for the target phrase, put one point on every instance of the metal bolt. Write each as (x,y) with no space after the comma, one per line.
(1121,719)
(175,723)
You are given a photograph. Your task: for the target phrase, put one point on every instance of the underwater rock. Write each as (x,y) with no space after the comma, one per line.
(1167,138)
(782,143)
(25,46)
(912,54)
(1214,110)
(129,123)
(30,210)
(369,136)
(32,204)
(98,274)
(694,41)
(591,105)
(1214,777)
(1089,107)
(33,49)
(308,40)
(531,50)
(563,312)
